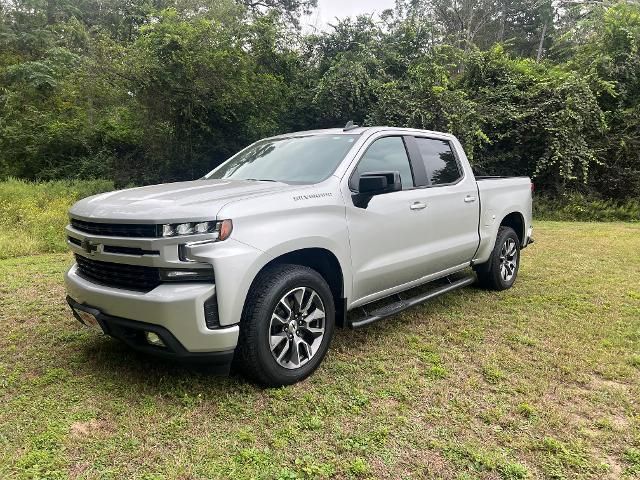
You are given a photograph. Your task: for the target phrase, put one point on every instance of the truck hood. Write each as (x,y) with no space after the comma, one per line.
(170,202)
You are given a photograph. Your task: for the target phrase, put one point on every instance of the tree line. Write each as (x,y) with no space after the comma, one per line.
(159,90)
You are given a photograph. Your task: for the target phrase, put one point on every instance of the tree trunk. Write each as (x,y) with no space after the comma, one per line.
(51,12)
(544,32)
(503,14)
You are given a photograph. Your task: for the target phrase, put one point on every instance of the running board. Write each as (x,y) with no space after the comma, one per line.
(400,305)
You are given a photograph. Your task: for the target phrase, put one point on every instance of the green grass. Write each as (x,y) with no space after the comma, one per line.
(541,381)
(33,215)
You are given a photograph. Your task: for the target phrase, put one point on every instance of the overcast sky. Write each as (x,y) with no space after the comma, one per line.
(328,10)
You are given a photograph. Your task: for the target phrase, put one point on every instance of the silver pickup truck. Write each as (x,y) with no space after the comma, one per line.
(260,260)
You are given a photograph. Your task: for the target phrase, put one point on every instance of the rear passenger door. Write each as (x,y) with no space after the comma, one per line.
(453,207)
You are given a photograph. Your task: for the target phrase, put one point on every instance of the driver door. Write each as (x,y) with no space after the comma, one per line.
(384,240)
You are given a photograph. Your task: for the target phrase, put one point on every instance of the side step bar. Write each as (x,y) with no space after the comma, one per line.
(400,305)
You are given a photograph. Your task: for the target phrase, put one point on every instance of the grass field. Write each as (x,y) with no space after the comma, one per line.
(33,215)
(541,381)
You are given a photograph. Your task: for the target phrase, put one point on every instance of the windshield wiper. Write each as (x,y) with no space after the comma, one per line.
(260,180)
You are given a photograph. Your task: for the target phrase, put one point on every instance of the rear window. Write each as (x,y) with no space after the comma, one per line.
(439,161)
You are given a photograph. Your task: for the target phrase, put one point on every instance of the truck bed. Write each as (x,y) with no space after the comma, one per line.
(498,195)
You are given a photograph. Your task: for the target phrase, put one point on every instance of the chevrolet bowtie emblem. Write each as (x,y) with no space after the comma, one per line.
(89,247)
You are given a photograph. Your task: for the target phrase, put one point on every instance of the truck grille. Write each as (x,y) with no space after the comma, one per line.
(132,277)
(116,229)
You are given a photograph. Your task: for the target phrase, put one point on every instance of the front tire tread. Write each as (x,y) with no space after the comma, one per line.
(249,356)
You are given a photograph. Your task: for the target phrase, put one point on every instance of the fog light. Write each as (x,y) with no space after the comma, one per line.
(187,274)
(154,339)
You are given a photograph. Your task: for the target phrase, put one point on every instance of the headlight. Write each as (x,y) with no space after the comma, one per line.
(221,228)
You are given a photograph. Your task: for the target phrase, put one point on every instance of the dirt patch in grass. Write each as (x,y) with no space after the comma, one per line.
(90,428)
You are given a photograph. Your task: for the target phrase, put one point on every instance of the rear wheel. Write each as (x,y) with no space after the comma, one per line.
(287,325)
(501,270)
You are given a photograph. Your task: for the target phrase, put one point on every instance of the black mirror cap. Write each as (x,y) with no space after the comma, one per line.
(376,183)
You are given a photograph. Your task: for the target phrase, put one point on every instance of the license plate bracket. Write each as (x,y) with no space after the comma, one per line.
(87,316)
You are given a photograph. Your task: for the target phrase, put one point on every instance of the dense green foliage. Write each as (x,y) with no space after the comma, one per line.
(163,90)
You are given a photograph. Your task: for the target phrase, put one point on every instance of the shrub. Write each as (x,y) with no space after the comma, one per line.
(578,207)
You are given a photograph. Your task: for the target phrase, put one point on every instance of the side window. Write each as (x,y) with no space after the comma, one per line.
(439,161)
(385,155)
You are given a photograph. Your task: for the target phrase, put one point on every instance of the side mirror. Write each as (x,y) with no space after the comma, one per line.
(377,183)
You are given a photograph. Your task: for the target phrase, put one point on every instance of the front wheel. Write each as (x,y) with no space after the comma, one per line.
(287,325)
(501,270)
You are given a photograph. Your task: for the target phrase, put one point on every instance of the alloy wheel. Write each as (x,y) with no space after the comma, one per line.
(508,259)
(297,327)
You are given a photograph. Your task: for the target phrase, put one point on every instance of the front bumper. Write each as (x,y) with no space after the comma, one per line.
(177,308)
(132,333)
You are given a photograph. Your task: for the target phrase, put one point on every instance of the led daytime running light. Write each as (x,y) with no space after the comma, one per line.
(188,228)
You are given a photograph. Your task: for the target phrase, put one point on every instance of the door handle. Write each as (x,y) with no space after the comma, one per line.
(417,206)
(469,199)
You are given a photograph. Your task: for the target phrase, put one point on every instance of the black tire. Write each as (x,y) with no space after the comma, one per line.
(490,275)
(254,355)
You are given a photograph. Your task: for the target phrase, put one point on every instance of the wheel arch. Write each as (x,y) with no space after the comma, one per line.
(324,262)
(489,225)
(515,220)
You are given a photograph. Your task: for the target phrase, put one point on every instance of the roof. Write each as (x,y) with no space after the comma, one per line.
(359,131)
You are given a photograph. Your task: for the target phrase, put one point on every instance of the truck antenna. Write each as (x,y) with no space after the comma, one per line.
(350,126)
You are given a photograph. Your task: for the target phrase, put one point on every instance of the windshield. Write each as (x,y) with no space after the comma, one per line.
(309,159)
